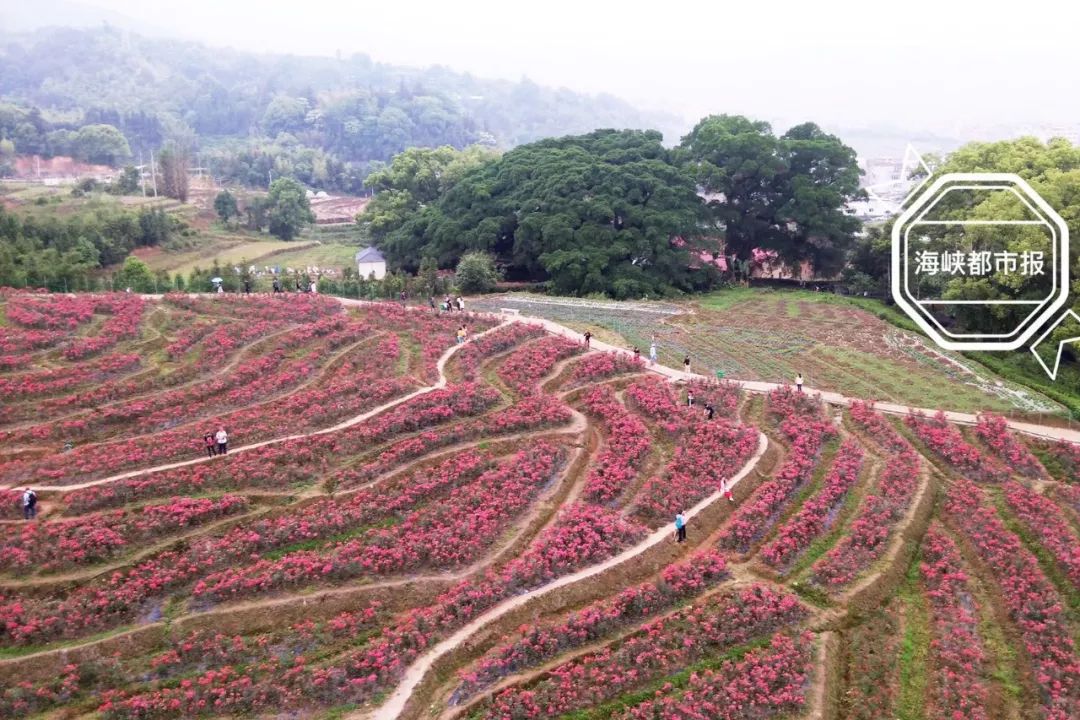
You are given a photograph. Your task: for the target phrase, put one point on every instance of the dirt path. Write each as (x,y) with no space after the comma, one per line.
(392,708)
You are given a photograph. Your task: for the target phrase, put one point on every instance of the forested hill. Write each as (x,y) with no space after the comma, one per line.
(343,112)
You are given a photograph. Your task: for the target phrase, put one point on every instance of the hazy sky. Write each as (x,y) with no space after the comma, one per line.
(911,64)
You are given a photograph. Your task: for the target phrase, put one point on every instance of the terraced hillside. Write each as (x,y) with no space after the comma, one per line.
(406,527)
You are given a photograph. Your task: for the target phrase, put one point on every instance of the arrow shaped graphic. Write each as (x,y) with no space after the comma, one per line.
(1074,328)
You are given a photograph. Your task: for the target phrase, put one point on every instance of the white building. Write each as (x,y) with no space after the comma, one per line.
(369,261)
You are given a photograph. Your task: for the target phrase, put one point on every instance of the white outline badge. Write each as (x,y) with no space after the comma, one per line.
(1044,309)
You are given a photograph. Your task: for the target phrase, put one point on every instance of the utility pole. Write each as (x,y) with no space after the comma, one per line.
(153,173)
(142,174)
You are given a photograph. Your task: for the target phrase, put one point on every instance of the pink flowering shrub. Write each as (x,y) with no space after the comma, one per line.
(600,366)
(769,682)
(946,441)
(1044,519)
(469,358)
(523,370)
(802,425)
(817,514)
(654,399)
(442,535)
(49,546)
(659,648)
(705,458)
(994,431)
(539,643)
(24,699)
(1032,603)
(627,445)
(881,510)
(957,649)
(41,383)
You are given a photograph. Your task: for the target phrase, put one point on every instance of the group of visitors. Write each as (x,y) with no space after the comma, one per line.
(449,304)
(681,517)
(303,285)
(217,443)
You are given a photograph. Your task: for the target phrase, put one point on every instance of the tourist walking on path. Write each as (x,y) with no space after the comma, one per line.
(29,504)
(403,296)
(652,352)
(449,304)
(277,285)
(710,411)
(247,286)
(689,398)
(461,335)
(431,301)
(680,527)
(588,339)
(637,355)
(222,438)
(460,304)
(725,488)
(686,364)
(798,382)
(211,444)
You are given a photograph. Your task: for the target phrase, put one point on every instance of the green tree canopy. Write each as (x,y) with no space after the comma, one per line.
(414,178)
(134,274)
(476,273)
(102,144)
(590,213)
(225,206)
(782,193)
(289,209)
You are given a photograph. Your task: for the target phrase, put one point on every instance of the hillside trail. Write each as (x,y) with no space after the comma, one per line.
(1032,429)
(416,672)
(441,383)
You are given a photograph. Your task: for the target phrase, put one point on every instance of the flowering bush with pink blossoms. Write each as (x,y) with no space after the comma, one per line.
(770,682)
(817,514)
(1031,600)
(469,358)
(40,383)
(600,366)
(444,534)
(946,441)
(528,365)
(803,426)
(24,699)
(994,431)
(1045,520)
(879,513)
(654,399)
(49,546)
(628,442)
(658,649)
(705,459)
(957,648)
(539,643)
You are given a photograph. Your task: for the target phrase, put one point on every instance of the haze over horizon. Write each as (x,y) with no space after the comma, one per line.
(842,64)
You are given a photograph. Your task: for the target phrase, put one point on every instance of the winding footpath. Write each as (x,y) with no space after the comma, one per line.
(395,704)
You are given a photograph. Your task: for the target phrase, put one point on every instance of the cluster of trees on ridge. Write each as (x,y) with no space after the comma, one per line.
(616,212)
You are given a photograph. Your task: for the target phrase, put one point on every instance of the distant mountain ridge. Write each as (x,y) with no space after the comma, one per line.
(65,70)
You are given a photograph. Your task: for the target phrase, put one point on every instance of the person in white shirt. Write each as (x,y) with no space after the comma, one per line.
(222,438)
(798,382)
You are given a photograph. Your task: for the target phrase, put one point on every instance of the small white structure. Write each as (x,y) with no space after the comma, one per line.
(370,261)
